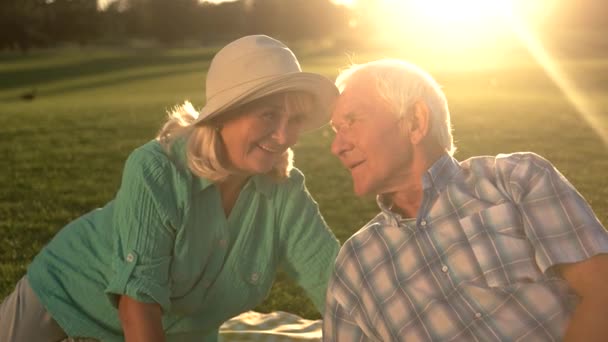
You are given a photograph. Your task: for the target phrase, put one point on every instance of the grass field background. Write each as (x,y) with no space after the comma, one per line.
(61,154)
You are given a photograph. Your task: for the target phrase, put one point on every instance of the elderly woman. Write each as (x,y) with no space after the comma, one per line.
(204,215)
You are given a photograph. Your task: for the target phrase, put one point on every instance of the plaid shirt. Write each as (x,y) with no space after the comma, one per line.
(475,264)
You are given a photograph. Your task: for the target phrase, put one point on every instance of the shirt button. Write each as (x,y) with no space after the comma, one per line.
(444,269)
(223,243)
(206,283)
(254,277)
(130,257)
(478,315)
(423,223)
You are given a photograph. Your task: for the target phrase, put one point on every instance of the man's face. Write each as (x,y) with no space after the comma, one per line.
(371,140)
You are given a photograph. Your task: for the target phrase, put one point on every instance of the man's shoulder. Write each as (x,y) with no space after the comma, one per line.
(506,165)
(378,222)
(504,159)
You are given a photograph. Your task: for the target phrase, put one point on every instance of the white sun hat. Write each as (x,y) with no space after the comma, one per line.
(256,66)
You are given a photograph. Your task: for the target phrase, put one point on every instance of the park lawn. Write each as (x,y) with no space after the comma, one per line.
(62,153)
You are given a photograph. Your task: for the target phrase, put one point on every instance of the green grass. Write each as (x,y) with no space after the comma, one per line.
(62,154)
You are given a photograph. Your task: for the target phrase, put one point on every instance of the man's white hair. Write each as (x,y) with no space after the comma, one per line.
(403,84)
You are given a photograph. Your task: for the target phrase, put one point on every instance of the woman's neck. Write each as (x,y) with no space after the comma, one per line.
(230,189)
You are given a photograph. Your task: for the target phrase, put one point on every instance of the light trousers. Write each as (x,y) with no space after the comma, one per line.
(24,319)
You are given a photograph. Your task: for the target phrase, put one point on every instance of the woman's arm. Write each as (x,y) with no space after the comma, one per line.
(140,321)
(309,247)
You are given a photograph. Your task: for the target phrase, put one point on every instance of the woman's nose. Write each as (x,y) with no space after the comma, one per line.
(284,133)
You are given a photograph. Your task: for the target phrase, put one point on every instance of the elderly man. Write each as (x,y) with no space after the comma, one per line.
(498,248)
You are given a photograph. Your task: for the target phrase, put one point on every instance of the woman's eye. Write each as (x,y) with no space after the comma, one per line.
(298,118)
(270,115)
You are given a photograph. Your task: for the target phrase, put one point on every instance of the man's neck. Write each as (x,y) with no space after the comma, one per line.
(406,202)
(408,199)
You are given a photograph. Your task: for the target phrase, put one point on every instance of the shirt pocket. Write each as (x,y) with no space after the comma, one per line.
(254,278)
(498,241)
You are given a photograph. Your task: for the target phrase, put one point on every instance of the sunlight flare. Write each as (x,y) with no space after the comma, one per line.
(474,32)
(347,3)
(575,96)
(463,11)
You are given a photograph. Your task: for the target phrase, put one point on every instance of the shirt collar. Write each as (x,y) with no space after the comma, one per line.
(200,183)
(261,183)
(440,173)
(391,217)
(436,177)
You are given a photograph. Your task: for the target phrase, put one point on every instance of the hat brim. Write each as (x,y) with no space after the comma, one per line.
(322,89)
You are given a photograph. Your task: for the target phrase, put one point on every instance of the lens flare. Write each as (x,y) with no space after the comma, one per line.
(577,99)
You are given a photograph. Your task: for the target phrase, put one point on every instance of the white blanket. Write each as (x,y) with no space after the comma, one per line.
(277,326)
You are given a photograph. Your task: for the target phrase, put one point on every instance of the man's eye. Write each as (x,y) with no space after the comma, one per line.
(349,121)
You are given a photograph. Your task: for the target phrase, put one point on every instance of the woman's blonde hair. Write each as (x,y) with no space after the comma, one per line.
(205,152)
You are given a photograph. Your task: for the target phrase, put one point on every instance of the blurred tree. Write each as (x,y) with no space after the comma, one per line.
(27,23)
(71,20)
(21,24)
(171,21)
(311,19)
(221,22)
(113,23)
(263,16)
(166,21)
(295,19)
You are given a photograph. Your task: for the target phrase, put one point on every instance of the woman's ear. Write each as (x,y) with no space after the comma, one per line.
(419,122)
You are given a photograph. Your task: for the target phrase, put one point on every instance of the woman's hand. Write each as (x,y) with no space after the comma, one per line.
(140,321)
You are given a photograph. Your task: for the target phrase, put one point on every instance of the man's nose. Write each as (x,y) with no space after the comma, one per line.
(341,144)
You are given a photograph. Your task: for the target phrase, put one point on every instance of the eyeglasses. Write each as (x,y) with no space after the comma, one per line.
(346,125)
(350,120)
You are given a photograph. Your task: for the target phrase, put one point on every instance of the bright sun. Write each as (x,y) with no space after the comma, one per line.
(466,29)
(452,25)
(462,11)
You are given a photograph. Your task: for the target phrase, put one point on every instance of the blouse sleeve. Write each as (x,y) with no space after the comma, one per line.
(144,221)
(309,247)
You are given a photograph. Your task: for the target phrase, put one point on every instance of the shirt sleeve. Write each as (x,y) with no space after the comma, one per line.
(338,325)
(143,227)
(308,246)
(557,220)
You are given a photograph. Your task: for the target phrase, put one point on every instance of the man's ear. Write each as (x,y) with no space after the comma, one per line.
(419,122)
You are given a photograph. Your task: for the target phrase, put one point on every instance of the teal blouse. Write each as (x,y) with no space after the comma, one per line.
(165,239)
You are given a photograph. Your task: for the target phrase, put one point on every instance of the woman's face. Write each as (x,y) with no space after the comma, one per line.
(257,137)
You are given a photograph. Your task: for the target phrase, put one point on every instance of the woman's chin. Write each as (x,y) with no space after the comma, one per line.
(262,168)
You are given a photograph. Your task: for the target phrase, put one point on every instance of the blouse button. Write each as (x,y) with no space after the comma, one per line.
(130,257)
(423,223)
(444,269)
(478,315)
(254,277)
